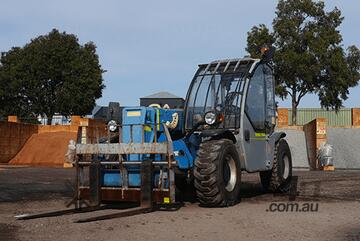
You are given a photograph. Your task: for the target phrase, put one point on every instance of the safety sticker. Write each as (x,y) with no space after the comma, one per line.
(166,200)
(260,134)
(133,113)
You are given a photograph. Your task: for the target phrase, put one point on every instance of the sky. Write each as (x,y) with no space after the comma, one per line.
(151,46)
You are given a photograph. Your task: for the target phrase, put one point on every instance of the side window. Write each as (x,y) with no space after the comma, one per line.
(255,105)
(270,98)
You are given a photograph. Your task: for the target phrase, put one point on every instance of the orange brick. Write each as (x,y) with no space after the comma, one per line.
(13,118)
(329,168)
(283,117)
(355,113)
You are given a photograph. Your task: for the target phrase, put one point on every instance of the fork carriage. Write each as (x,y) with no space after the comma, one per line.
(129,170)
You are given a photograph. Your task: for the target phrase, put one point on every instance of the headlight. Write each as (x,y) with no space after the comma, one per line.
(210,118)
(112,125)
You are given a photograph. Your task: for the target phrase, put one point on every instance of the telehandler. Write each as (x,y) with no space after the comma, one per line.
(226,127)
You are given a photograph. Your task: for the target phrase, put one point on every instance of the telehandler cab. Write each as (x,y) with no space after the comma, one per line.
(231,115)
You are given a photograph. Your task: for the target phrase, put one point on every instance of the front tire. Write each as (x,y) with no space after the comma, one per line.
(278,179)
(217,173)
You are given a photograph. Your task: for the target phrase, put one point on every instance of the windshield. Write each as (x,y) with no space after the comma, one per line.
(217,87)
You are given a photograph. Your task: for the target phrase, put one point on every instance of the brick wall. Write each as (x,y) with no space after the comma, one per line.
(355,113)
(57,128)
(283,117)
(12,137)
(91,130)
(13,134)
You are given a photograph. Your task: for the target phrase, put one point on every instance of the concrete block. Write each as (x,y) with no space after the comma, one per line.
(297,144)
(346,143)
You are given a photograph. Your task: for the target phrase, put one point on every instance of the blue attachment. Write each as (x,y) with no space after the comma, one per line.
(182,154)
(133,119)
(112,178)
(139,119)
(194,142)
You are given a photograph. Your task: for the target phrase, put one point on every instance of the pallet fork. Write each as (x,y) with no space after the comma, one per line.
(146,204)
(90,198)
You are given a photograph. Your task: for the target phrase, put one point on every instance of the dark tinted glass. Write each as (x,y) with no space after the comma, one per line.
(255,99)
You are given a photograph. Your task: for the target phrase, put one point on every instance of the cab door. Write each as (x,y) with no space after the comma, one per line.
(259,113)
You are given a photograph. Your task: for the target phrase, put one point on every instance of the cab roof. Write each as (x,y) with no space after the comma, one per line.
(227,65)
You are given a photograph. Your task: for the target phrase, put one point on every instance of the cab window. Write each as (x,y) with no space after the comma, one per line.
(255,105)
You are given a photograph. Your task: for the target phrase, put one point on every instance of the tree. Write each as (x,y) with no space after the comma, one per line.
(51,74)
(309,57)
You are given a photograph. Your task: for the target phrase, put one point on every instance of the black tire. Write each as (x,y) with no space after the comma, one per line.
(217,173)
(278,179)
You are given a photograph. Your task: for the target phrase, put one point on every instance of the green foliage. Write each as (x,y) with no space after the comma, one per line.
(257,37)
(52,74)
(309,56)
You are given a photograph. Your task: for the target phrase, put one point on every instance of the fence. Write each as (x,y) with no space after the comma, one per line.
(341,118)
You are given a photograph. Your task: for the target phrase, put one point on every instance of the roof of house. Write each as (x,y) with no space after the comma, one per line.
(96,109)
(161,95)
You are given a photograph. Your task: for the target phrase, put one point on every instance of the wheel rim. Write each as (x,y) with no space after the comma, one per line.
(230,175)
(286,168)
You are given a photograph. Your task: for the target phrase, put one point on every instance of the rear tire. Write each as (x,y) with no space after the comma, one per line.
(278,179)
(217,173)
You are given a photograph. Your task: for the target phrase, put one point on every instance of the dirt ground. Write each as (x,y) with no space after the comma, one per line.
(335,194)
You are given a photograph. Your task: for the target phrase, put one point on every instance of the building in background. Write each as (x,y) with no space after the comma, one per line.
(114,111)
(106,113)
(162,98)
